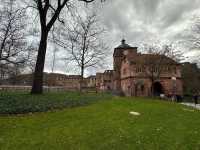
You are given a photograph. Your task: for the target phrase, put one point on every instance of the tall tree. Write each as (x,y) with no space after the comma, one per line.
(14,48)
(13,45)
(84,44)
(49,11)
(191,39)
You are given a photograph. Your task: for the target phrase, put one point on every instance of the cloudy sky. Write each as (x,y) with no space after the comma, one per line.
(144,21)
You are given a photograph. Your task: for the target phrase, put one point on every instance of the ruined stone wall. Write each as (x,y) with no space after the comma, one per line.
(104,81)
(136,86)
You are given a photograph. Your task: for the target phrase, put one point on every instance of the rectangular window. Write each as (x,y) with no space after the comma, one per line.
(138,69)
(124,71)
(175,71)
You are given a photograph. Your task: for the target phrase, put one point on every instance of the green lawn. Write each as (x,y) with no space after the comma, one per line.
(105,125)
(23,103)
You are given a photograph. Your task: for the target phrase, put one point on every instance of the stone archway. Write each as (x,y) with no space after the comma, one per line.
(157,88)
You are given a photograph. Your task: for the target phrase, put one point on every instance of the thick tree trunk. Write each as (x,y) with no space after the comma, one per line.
(37,86)
(82,78)
(152,88)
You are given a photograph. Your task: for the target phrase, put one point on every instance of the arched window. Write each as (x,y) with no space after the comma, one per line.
(142,88)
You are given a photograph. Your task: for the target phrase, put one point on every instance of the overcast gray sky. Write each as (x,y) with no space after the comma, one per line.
(143,21)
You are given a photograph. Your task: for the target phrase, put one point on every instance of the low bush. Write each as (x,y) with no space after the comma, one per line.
(21,103)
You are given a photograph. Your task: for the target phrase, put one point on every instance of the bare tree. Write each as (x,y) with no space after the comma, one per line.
(191,39)
(195,39)
(31,60)
(49,11)
(84,42)
(55,50)
(13,45)
(14,48)
(159,59)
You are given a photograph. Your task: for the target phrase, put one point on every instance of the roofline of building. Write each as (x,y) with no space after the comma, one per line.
(126,47)
(142,77)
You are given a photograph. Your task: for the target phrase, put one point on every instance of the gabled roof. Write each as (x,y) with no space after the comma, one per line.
(151,58)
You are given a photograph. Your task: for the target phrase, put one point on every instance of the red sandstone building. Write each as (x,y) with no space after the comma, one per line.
(134,74)
(137,74)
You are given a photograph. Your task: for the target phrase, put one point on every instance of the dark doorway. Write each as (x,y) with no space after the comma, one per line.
(157,89)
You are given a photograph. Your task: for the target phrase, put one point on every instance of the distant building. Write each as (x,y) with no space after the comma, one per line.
(133,74)
(130,77)
(104,81)
(71,82)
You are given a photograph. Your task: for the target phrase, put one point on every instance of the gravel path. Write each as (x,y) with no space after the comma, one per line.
(192,105)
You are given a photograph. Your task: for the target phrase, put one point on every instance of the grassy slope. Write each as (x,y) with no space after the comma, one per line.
(106,125)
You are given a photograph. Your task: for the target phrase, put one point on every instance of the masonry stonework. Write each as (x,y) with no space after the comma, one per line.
(131,74)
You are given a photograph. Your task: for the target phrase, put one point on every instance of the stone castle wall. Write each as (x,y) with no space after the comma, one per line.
(131,74)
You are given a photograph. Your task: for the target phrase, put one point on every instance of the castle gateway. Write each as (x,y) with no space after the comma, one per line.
(136,74)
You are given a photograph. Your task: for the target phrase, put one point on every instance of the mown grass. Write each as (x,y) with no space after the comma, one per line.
(21,103)
(105,125)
